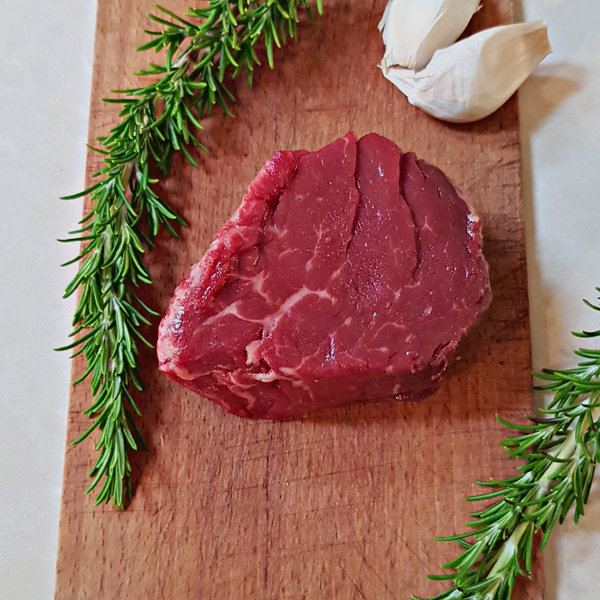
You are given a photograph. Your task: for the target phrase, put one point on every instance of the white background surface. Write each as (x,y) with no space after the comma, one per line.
(45,73)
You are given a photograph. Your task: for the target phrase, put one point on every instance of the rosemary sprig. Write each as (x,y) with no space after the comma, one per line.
(126,214)
(560,453)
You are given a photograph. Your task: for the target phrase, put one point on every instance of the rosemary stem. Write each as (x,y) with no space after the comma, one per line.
(509,549)
(156,121)
(569,450)
(126,172)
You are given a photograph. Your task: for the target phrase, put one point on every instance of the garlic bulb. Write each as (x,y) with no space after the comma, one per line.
(413,30)
(471,79)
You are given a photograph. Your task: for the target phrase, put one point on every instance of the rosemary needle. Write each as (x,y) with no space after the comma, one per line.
(125,215)
(560,454)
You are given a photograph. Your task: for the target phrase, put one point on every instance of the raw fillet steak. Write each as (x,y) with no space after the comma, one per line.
(347,275)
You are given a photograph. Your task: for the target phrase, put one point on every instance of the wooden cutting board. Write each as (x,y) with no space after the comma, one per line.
(337,505)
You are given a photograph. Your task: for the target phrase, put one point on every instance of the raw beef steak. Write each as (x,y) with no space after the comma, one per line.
(347,275)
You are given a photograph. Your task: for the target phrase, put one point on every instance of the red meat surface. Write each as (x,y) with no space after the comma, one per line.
(347,275)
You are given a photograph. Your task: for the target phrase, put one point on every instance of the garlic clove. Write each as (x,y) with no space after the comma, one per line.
(473,78)
(413,30)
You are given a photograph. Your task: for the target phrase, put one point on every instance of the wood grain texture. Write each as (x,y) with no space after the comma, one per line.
(337,505)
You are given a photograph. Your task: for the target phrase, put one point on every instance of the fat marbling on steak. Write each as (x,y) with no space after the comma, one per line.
(347,275)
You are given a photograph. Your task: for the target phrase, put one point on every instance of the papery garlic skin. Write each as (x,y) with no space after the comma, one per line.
(473,78)
(413,30)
